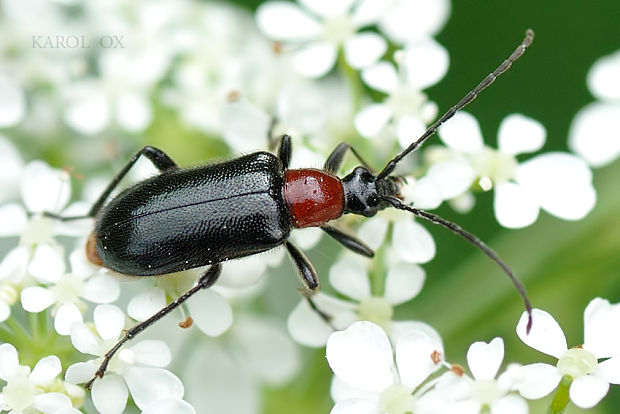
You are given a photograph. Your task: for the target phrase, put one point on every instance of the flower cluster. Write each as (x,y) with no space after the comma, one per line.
(93,77)
(373,376)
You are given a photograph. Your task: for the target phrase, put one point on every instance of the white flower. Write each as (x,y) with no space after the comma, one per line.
(349,277)
(66,292)
(421,64)
(406,21)
(228,373)
(26,391)
(12,102)
(11,165)
(590,378)
(369,378)
(38,254)
(321,28)
(484,390)
(138,367)
(559,183)
(594,132)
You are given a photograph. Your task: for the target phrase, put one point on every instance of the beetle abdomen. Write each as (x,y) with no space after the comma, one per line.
(189,218)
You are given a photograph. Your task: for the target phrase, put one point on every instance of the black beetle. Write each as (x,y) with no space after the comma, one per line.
(187,218)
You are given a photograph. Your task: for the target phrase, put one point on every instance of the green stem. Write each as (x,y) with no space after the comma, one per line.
(19,335)
(5,334)
(353,79)
(378,269)
(561,397)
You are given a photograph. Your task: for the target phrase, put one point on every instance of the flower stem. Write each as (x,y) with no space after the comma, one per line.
(561,397)
(353,79)
(18,333)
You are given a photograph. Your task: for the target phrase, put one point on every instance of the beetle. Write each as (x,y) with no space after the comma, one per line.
(187,218)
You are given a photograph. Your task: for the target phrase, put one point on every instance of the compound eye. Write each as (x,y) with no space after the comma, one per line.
(372,200)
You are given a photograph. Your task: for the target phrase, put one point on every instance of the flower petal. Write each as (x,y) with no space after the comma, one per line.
(36,299)
(366,12)
(510,404)
(13,219)
(561,182)
(371,120)
(587,391)
(364,49)
(14,264)
(361,356)
(152,352)
(109,321)
(373,231)
(610,370)
(266,350)
(109,394)
(211,312)
(245,126)
(50,402)
(12,102)
(169,405)
(308,328)
(84,340)
(5,311)
(462,133)
(47,264)
(603,77)
(356,406)
(409,128)
(45,370)
(599,338)
(133,112)
(101,288)
(66,316)
(453,177)
(328,8)
(485,359)
(408,20)
(537,380)
(414,358)
(146,304)
(545,336)
(403,282)
(281,20)
(520,134)
(9,364)
(381,76)
(412,242)
(350,277)
(315,60)
(593,133)
(150,384)
(81,372)
(514,206)
(426,63)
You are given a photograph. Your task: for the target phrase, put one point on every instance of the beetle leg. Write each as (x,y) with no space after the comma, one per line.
(161,161)
(305,269)
(348,241)
(334,161)
(284,153)
(206,281)
(309,278)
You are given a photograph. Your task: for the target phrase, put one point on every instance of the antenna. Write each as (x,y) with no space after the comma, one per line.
(529,38)
(455,228)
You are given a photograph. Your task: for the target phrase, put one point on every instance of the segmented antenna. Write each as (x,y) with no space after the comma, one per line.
(529,38)
(455,228)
